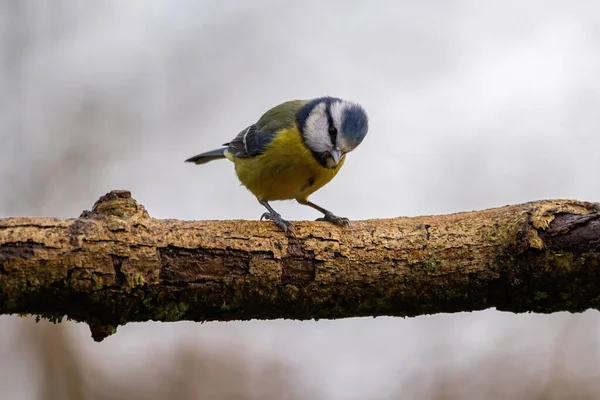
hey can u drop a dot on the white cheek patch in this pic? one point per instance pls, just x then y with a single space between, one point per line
344 145
316 130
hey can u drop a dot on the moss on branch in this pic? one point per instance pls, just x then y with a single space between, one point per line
115 264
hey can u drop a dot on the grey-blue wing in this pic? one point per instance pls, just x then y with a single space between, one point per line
250 142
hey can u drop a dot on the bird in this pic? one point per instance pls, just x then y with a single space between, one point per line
293 150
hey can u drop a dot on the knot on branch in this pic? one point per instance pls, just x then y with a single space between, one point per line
117 203
561 224
101 332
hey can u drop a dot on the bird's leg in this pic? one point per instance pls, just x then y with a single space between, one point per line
328 215
274 216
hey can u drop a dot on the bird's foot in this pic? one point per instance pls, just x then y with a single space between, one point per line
334 219
287 226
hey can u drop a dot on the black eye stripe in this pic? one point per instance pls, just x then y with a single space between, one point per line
332 129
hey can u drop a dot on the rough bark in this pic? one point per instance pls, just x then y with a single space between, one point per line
116 265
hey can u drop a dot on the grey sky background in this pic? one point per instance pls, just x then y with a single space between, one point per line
472 104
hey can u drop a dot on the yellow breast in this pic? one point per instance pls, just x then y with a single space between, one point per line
286 170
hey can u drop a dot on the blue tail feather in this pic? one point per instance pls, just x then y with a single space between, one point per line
208 156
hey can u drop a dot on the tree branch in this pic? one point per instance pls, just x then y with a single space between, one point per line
115 265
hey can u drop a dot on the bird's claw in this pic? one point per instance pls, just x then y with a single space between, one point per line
287 226
334 219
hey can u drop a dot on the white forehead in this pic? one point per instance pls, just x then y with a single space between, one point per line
337 110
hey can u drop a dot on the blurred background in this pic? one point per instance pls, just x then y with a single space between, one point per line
472 104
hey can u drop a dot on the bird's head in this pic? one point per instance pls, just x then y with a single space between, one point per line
332 127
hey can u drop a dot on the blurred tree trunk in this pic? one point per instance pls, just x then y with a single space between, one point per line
115 264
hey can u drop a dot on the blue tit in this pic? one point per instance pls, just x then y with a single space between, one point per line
293 150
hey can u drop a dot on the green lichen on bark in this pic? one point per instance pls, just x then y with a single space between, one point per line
114 265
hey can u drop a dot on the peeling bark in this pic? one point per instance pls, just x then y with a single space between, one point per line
115 265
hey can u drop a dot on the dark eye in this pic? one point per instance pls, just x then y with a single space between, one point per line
332 130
